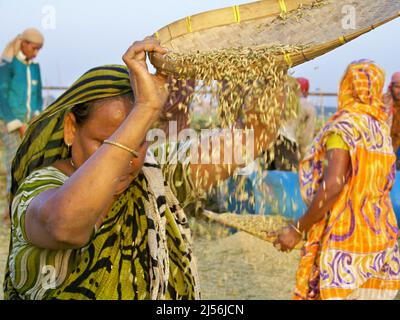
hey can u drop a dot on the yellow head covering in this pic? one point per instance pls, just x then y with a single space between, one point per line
361 90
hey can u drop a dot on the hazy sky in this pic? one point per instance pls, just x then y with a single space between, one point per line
90 33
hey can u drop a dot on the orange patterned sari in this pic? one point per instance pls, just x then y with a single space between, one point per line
353 252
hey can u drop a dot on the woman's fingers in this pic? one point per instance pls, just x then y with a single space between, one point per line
146 46
139 49
135 56
149 89
277 245
272 234
283 244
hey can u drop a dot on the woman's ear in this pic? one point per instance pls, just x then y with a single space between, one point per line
69 128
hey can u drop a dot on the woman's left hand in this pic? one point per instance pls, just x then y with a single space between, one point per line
149 89
287 239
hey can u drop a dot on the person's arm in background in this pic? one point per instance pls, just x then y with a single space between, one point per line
5 110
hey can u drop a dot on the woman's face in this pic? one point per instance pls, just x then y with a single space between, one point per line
103 120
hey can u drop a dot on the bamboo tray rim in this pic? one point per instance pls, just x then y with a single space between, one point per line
259 9
238 14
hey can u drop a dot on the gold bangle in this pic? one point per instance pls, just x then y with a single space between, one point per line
298 225
135 153
297 228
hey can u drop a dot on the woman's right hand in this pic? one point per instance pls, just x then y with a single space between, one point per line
287 239
150 90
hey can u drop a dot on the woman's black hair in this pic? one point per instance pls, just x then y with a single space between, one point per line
83 110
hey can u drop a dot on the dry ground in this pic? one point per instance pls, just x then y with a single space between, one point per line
231 266
236 266
240 266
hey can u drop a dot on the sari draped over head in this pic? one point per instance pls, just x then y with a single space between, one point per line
353 252
143 248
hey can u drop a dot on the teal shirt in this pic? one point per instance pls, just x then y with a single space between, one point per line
20 90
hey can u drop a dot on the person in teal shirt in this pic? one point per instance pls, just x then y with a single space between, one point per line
20 92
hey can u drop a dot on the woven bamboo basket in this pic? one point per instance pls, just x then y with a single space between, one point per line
322 27
263 227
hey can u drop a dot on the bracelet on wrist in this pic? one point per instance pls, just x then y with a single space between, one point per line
121 146
297 228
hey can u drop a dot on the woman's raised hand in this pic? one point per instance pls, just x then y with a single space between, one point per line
150 90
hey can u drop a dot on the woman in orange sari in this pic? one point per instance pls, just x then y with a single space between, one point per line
351 251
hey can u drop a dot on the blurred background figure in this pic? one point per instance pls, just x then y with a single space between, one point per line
306 119
297 133
392 102
286 156
20 92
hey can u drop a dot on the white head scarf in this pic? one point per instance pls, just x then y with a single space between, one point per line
32 35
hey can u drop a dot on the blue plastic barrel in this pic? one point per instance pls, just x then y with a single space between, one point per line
277 192
234 204
280 193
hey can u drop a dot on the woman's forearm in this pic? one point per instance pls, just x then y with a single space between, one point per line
335 179
65 216
320 206
80 202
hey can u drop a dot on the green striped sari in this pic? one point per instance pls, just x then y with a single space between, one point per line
143 248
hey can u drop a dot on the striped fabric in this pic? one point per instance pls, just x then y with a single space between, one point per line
142 250
43 143
26 261
353 252
11 141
